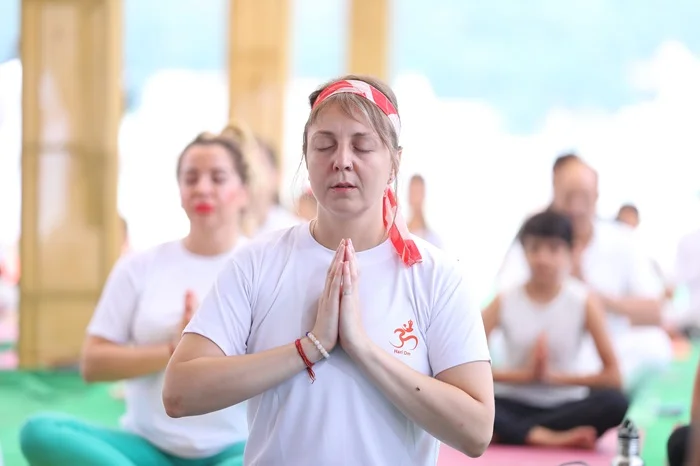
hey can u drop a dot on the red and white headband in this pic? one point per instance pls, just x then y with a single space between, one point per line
367 91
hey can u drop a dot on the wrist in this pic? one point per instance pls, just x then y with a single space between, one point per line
311 351
358 348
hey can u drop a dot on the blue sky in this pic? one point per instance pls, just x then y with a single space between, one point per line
522 57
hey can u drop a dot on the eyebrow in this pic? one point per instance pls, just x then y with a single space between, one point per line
331 133
215 170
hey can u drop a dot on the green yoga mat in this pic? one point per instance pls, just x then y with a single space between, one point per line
25 393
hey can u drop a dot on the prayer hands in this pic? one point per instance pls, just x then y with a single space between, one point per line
540 357
191 306
350 330
326 326
338 315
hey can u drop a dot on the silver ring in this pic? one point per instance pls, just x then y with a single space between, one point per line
347 292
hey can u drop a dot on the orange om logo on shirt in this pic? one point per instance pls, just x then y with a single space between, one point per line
404 332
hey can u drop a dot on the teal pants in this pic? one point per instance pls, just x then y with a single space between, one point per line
58 440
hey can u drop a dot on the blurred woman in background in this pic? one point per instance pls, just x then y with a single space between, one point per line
417 223
148 299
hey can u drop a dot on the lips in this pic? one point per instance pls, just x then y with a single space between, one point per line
343 185
203 208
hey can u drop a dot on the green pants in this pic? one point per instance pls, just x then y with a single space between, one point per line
58 440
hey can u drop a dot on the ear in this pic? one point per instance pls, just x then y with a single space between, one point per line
244 196
392 175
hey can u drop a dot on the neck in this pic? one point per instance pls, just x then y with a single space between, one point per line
583 233
211 242
365 232
541 291
417 221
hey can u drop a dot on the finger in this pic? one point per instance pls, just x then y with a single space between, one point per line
189 300
354 267
347 279
334 264
334 289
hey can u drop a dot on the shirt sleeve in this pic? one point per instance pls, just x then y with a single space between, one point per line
225 315
644 282
114 313
514 270
456 332
687 258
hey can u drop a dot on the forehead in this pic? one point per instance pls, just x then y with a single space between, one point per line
207 155
339 118
552 241
576 176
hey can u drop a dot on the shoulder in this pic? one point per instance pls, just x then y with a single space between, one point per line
690 241
137 263
615 234
254 254
576 289
439 271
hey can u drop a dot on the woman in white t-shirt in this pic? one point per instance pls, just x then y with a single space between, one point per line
147 300
353 340
417 223
270 215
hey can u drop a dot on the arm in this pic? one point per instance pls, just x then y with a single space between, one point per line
201 379
514 269
210 369
106 353
103 360
609 376
641 311
457 406
643 302
492 318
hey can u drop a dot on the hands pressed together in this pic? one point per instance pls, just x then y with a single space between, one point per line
538 369
190 307
338 318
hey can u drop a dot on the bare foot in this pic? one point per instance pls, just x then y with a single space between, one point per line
584 437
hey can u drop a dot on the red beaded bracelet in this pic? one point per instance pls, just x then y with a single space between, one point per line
307 363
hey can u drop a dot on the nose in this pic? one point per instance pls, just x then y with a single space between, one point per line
203 185
342 160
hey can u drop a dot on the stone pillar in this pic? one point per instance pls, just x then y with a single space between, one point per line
368 42
71 108
258 66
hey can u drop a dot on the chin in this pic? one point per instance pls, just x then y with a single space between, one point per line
345 209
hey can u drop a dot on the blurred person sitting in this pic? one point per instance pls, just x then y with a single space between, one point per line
686 323
607 259
417 223
683 446
148 299
266 207
540 398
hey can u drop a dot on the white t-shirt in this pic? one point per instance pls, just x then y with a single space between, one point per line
430 236
523 320
687 274
612 264
143 304
267 298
